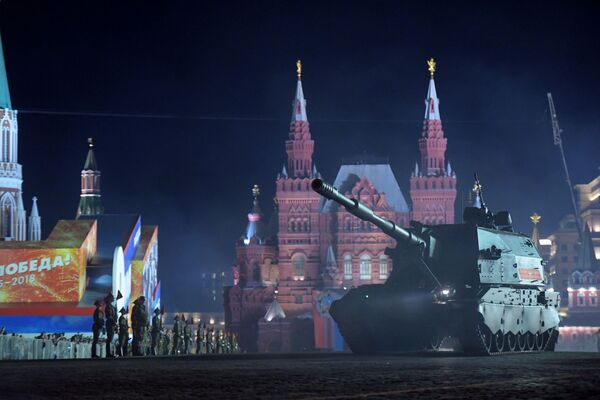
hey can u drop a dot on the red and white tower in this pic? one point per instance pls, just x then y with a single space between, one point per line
299 237
433 183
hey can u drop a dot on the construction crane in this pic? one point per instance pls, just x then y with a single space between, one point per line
558 142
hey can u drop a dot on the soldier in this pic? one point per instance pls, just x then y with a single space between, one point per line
139 322
156 328
199 337
187 335
167 342
111 323
176 335
97 327
210 340
123 333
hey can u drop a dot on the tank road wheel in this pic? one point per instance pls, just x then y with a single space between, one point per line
540 341
522 341
511 341
436 341
499 340
530 338
486 336
552 337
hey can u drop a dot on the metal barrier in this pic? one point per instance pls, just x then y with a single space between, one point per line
19 348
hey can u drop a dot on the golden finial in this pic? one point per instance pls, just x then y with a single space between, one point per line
299 68
431 66
90 142
476 187
535 218
255 191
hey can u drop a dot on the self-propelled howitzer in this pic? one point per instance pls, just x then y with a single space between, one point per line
478 282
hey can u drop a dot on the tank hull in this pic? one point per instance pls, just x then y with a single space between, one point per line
379 319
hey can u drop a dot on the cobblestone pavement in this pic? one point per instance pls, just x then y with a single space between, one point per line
308 376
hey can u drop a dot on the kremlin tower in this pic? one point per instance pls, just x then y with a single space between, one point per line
299 234
13 217
90 202
433 183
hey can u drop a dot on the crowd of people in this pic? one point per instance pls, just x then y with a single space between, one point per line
151 338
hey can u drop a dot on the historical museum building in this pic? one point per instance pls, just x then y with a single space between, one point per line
289 269
13 217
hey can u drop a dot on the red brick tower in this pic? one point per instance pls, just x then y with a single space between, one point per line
299 238
433 183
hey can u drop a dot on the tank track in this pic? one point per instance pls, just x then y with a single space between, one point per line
482 341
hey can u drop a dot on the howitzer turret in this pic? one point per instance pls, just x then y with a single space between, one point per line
477 282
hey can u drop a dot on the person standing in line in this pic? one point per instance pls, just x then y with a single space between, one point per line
187 336
176 335
111 323
123 333
156 328
97 326
199 337
139 322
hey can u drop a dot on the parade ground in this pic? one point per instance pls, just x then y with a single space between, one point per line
307 376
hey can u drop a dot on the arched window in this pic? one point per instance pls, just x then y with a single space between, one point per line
298 264
306 227
365 267
593 298
433 185
383 267
348 224
7 206
6 142
347 267
256 272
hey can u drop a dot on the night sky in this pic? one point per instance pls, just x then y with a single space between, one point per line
212 85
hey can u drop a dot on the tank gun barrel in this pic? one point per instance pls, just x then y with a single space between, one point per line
363 212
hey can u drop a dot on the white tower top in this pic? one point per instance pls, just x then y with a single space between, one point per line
432 103
299 104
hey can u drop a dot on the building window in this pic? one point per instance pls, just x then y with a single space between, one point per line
383 267
298 263
365 267
7 208
347 267
564 259
298 300
581 299
593 299
6 144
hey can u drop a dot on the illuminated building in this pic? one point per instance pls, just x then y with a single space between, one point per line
13 216
288 271
576 271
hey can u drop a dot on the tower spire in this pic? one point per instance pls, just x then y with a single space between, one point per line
299 104
255 225
4 93
90 202
299 146
432 103
35 222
